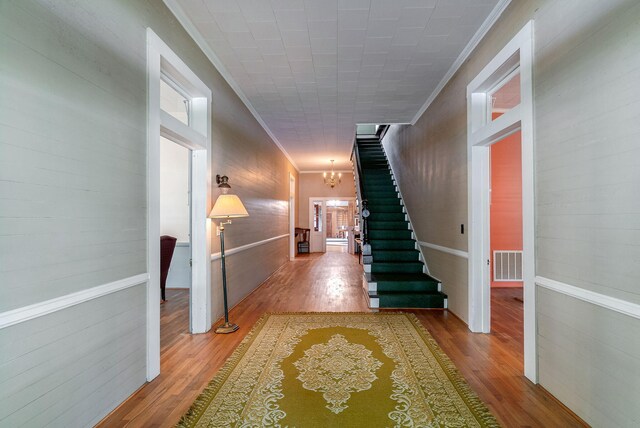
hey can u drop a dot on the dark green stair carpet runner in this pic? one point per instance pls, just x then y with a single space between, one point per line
396 266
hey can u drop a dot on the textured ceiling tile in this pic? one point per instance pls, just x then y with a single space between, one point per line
350 52
298 53
321 10
305 66
217 6
241 40
287 4
440 26
323 29
384 9
415 17
349 65
275 60
407 36
231 21
351 37
291 19
295 38
419 3
264 30
354 4
353 19
248 54
271 47
324 60
324 46
210 30
372 58
377 45
382 28
312 69
430 44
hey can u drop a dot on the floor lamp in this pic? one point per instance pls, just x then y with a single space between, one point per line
226 207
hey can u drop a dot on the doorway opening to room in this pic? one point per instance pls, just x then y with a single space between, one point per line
175 234
500 120
505 238
332 224
179 122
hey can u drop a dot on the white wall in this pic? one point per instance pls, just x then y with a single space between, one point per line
174 190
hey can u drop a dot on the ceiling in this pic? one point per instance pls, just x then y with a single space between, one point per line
313 69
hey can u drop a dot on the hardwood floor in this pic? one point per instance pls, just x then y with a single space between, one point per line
492 364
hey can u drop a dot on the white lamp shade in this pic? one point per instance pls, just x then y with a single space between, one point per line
228 206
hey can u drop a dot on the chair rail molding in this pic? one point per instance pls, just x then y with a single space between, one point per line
217 256
447 250
613 303
26 313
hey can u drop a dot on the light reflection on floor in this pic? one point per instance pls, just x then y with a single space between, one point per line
336 248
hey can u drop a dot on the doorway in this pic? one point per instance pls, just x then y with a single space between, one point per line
507 79
292 217
332 222
175 239
189 126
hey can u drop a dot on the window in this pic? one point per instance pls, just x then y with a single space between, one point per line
173 102
505 95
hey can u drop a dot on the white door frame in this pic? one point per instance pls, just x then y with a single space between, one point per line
324 200
292 216
481 133
162 61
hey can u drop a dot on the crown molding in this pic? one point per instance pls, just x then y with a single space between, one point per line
186 23
477 37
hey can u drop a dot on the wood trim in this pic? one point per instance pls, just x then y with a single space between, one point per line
26 313
447 250
217 256
480 134
477 37
612 303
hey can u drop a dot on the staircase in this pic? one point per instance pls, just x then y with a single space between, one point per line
395 272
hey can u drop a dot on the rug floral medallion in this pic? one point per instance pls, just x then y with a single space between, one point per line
338 370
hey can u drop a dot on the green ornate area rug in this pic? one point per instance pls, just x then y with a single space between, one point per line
338 370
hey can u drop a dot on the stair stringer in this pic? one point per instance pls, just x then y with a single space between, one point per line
413 231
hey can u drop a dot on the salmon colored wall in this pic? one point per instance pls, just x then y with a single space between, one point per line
506 199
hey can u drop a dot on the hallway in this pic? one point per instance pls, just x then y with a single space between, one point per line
491 364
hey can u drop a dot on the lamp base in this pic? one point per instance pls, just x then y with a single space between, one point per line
227 327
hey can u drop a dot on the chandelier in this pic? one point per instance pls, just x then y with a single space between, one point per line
332 179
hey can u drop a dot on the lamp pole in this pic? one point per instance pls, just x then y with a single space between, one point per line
227 327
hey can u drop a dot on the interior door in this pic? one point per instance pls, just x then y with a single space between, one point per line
317 208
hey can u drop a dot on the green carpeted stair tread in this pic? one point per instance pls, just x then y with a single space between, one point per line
426 299
392 277
375 234
396 266
395 208
396 255
385 224
393 244
378 216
